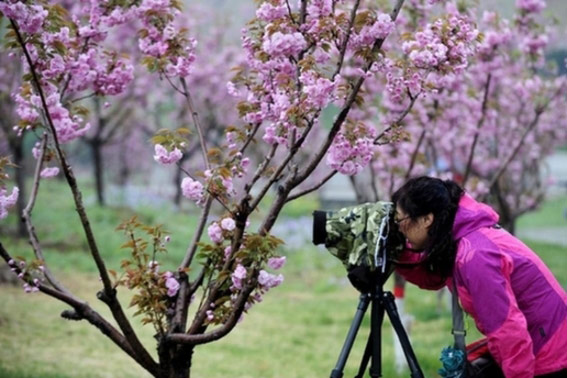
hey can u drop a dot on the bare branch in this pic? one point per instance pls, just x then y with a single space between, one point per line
538 112
477 134
197 235
295 196
220 331
400 118
196 121
26 215
261 169
347 38
415 152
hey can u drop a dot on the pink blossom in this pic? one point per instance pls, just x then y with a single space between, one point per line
49 172
279 44
228 224
320 8
268 280
210 315
245 163
172 284
215 233
238 275
30 18
227 252
267 12
30 288
7 201
153 266
319 91
276 262
532 6
192 189
164 157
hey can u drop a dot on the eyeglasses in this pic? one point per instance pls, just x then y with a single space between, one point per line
398 221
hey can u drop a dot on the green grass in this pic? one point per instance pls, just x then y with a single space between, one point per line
550 214
297 331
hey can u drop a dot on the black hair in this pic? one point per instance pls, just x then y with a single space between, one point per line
428 195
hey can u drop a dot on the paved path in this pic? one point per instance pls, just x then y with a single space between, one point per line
554 235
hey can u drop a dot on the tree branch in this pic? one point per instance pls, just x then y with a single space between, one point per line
197 123
221 331
538 112
26 216
477 134
344 45
190 253
295 196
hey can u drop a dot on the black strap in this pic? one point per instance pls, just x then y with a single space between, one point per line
458 323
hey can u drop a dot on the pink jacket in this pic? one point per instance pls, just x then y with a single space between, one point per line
512 296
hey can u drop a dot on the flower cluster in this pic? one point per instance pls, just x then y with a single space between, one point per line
217 232
7 200
192 189
444 45
352 149
376 27
171 284
165 157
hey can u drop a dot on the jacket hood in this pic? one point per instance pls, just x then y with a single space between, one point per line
472 215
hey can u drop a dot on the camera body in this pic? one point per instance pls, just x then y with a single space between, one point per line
360 236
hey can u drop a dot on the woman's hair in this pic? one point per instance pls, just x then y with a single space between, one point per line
424 195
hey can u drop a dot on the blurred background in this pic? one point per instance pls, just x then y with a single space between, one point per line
299 328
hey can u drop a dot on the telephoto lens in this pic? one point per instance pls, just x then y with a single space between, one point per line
319 224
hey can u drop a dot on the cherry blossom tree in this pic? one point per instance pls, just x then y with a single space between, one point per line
488 127
299 60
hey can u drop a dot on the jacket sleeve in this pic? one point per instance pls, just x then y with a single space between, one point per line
411 266
485 277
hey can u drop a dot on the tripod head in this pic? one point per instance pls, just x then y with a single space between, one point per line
367 281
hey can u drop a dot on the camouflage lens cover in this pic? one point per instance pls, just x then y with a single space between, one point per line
352 232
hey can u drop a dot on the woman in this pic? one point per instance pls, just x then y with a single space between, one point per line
512 296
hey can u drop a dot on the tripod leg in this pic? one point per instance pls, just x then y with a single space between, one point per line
376 327
365 357
390 306
347 346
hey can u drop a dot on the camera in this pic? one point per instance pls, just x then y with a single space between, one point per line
364 237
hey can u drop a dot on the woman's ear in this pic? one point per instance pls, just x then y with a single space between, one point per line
428 219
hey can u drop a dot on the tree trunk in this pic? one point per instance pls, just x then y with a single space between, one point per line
175 360
177 182
507 218
19 175
96 149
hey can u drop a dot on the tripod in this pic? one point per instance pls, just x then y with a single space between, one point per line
381 301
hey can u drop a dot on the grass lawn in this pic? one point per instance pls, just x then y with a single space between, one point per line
297 331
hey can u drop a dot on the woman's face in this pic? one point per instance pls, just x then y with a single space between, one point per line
414 229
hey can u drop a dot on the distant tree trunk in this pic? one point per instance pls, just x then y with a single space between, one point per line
124 172
16 147
177 181
507 217
96 151
19 175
